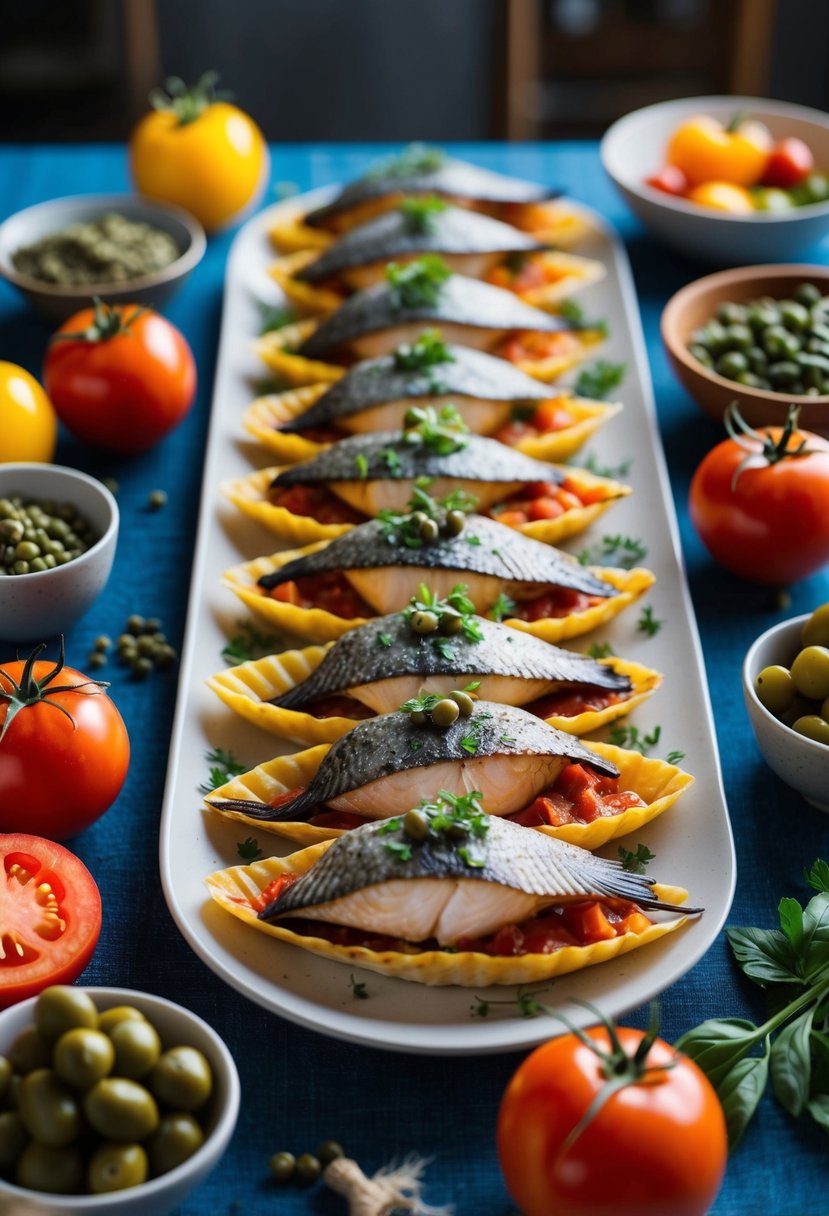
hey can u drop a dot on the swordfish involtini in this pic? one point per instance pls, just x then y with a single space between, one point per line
546 779
472 245
420 170
470 313
491 396
359 477
434 646
446 894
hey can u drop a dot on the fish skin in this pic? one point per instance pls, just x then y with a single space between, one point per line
460 300
502 553
479 459
381 747
469 373
359 657
452 177
513 857
453 230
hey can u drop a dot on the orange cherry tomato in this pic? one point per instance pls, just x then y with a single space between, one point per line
655 1146
723 196
707 151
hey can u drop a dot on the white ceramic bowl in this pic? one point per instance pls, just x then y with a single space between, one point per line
633 148
176 1025
58 301
802 763
37 606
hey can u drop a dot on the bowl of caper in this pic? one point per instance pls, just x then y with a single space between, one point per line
112 1103
786 691
58 533
758 335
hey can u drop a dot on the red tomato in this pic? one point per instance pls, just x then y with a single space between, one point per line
56 929
656 1147
123 379
669 180
64 749
769 524
790 162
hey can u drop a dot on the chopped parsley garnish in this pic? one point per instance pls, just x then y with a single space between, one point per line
573 312
428 351
503 606
419 213
675 757
506 738
526 1003
636 859
614 472
443 431
400 848
415 159
249 644
392 461
358 989
418 284
457 602
248 849
274 317
444 648
470 741
424 703
624 551
631 736
600 650
598 381
361 463
384 639
415 745
647 623
223 766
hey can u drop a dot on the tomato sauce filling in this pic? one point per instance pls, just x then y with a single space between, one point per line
524 272
578 795
530 345
314 502
547 418
566 702
581 923
539 500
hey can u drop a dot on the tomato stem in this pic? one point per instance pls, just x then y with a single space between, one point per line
771 452
30 691
188 104
108 321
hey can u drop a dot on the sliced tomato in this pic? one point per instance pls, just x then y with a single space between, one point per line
50 916
273 891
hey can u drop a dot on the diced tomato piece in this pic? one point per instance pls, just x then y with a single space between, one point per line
272 891
288 796
570 702
635 922
588 922
559 602
513 432
315 502
507 941
548 810
574 779
537 345
545 508
287 593
585 494
512 519
552 415
670 180
547 934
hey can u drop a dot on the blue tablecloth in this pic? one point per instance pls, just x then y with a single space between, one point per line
299 1087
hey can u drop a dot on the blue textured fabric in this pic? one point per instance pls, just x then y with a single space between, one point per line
299 1087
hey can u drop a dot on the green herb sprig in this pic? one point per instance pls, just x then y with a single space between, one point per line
573 312
249 643
457 602
248 849
635 860
614 472
414 160
443 431
223 766
647 623
624 551
599 380
420 213
418 284
428 351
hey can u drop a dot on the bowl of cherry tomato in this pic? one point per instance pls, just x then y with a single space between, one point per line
114 1103
727 180
786 691
754 334
116 247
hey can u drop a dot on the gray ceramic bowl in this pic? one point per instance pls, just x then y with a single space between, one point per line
175 1025
802 763
37 606
58 302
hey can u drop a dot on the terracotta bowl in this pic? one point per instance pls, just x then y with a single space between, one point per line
696 304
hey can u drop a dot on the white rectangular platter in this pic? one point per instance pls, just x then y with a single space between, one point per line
692 841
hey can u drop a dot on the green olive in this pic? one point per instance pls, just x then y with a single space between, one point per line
120 1109
762 314
418 518
118 1013
329 1151
445 712
182 1078
815 631
739 337
6 1071
806 294
13 1139
48 1109
793 315
116 1167
177 1137
59 1171
424 622
415 824
810 672
419 717
701 354
729 313
308 1167
282 1166
60 1008
779 343
783 374
137 1048
757 359
775 688
29 1050
813 727
83 1056
464 702
731 364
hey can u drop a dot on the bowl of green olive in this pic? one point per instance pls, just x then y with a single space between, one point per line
58 533
786 690
758 335
112 1103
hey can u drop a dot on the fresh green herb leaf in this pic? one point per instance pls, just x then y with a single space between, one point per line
389 826
480 1008
598 381
470 744
418 284
614 472
420 213
624 551
223 766
506 738
415 745
600 650
471 540
442 431
525 1003
790 1063
444 648
635 860
384 639
413 161
392 461
740 1093
675 757
647 623
248 849
472 686
475 863
428 351
764 955
573 312
361 462
249 644
401 849
358 989
818 876
274 316
631 737
504 606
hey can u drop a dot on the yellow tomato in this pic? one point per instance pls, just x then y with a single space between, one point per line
28 423
204 154
722 196
707 151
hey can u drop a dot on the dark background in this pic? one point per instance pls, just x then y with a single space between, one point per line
401 69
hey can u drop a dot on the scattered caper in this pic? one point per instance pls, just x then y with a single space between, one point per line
282 1166
308 1167
424 622
135 624
419 717
37 536
455 522
429 530
329 1151
416 826
102 642
96 659
157 500
445 712
463 701
451 622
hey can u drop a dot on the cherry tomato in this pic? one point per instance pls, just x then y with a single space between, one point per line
723 196
51 908
120 377
790 162
655 1147
28 423
64 749
205 155
669 180
770 521
707 151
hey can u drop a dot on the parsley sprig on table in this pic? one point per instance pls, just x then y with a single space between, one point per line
428 351
599 380
624 551
223 766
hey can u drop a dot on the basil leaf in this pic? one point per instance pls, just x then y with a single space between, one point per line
740 1092
815 945
820 1063
791 1064
718 1044
765 955
791 921
818 1108
818 876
